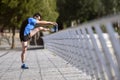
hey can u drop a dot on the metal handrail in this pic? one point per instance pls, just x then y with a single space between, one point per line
90 50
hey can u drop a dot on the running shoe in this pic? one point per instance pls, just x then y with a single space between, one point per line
24 67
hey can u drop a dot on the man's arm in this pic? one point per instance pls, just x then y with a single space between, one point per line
46 23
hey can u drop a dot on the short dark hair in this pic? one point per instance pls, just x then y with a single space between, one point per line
37 15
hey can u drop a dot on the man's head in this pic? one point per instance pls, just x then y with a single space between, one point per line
37 16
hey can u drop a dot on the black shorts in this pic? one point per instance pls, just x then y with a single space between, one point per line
25 38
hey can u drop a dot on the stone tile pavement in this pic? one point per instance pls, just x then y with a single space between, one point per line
43 65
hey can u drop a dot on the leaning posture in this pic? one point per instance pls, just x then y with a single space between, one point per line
28 30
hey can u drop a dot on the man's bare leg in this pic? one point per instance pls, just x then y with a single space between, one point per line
34 31
24 49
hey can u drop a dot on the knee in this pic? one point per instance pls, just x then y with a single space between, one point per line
41 28
24 49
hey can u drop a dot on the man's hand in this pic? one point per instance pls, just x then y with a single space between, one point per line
55 24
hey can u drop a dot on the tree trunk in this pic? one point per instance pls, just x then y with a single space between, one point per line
13 38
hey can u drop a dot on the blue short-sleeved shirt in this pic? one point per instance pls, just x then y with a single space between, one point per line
31 24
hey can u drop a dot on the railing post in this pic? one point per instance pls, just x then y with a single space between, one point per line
89 50
102 63
111 65
82 49
93 63
115 42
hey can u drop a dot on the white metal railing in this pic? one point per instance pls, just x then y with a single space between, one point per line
91 50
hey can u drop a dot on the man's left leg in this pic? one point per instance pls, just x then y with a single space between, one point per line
24 49
34 31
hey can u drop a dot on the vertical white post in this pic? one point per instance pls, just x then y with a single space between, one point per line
94 64
115 42
99 55
107 53
88 55
82 51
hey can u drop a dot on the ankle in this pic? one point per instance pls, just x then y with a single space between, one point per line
23 63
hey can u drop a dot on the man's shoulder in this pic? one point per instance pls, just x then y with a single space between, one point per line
31 18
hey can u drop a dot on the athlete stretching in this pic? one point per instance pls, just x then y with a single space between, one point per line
28 30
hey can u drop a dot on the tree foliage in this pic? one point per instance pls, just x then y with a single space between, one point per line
84 10
18 10
13 12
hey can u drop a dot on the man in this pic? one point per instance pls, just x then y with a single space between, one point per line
28 30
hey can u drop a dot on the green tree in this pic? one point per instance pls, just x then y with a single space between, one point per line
111 6
49 10
84 10
13 12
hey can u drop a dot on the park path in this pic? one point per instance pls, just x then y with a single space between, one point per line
43 65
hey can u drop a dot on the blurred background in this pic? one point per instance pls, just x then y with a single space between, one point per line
67 13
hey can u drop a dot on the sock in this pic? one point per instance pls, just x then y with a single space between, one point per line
23 63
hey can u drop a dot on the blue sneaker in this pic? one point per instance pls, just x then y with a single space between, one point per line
24 67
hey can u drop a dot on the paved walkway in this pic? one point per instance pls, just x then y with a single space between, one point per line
43 65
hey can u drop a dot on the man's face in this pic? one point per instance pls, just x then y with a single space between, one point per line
38 18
